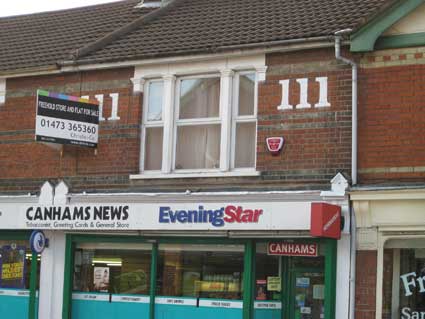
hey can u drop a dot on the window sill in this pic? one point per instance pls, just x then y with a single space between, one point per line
195 175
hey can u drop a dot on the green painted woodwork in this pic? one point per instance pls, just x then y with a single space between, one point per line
152 288
401 41
248 280
67 284
364 39
33 287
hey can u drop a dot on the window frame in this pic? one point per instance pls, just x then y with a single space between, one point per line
226 165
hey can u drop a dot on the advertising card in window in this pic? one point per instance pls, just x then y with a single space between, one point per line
101 279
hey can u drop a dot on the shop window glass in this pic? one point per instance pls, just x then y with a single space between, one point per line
200 271
267 270
403 286
15 264
112 268
412 276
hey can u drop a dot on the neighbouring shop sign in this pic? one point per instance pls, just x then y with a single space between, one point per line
65 119
413 283
158 216
292 249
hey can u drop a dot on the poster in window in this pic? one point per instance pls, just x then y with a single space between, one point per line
261 289
101 279
12 266
273 283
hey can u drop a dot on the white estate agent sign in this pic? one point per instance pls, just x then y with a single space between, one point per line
180 216
65 119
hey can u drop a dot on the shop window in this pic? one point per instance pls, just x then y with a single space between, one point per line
267 269
112 268
403 291
200 271
207 124
15 264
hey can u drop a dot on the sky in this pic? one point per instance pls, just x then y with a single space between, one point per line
16 7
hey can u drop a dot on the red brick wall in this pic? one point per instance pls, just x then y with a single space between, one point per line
387 288
392 123
118 150
318 140
366 284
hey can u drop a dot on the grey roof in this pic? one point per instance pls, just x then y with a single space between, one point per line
118 32
41 40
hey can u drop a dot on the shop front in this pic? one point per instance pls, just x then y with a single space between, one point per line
175 256
391 230
200 278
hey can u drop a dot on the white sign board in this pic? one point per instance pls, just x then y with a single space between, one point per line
149 216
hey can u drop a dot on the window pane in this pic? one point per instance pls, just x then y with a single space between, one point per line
199 98
266 267
202 271
198 147
155 101
246 94
245 145
116 270
153 148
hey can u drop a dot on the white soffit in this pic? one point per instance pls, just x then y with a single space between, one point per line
412 23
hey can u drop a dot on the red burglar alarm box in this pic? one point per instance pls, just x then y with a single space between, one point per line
325 220
274 144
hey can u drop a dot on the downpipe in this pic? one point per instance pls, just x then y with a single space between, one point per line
353 237
338 36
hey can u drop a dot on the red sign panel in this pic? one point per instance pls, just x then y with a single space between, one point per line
325 220
292 249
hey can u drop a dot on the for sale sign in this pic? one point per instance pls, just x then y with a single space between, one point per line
65 119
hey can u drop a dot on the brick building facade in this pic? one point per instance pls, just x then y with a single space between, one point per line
188 197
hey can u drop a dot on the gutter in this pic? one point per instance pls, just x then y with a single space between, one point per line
353 231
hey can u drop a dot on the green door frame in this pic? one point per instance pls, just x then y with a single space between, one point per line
25 235
249 268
